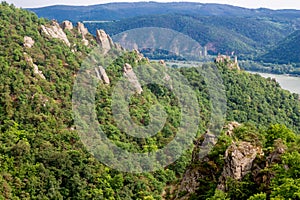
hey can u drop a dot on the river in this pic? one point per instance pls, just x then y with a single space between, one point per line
286 82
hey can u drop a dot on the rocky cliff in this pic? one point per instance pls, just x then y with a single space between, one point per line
239 159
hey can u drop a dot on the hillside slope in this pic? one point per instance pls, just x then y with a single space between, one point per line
221 34
41 154
223 28
286 51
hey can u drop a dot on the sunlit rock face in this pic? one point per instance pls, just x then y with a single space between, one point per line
67 25
55 31
131 76
239 159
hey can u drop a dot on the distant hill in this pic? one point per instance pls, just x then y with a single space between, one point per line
221 34
118 11
286 51
224 28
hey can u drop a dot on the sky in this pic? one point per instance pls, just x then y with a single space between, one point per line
272 4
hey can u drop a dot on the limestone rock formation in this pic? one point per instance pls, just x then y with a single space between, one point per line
201 150
102 75
259 168
104 40
67 25
131 76
55 31
28 42
118 47
139 55
81 29
36 70
230 127
200 160
239 159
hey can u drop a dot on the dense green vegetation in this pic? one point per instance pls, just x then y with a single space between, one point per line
247 37
273 175
286 51
42 157
262 35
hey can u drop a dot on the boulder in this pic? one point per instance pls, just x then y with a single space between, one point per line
162 62
131 76
55 31
28 42
67 25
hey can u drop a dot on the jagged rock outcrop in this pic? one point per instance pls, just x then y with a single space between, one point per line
261 174
239 159
203 148
102 75
105 41
230 127
139 55
199 169
131 76
190 183
55 31
28 42
81 29
67 25
36 70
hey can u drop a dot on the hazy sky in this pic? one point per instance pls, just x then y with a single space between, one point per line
273 4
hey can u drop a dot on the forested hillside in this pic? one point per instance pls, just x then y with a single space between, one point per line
247 37
42 156
286 51
252 34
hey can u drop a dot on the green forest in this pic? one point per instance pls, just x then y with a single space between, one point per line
42 156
